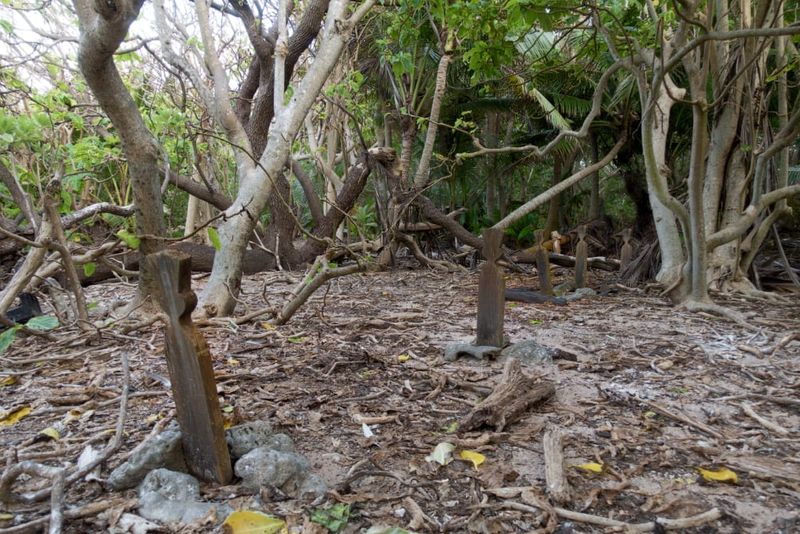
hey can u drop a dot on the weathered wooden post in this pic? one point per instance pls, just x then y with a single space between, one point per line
190 370
581 254
555 238
626 254
543 264
491 292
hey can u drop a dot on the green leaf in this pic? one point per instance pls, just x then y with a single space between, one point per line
213 235
334 518
129 239
7 26
43 322
89 268
7 338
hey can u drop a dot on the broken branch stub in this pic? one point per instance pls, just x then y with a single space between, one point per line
190 370
491 292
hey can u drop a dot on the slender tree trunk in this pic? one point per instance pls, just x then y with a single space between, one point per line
655 127
595 202
218 297
103 26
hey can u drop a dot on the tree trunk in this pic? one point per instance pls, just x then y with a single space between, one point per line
103 26
218 297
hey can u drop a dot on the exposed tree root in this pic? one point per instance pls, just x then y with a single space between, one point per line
716 309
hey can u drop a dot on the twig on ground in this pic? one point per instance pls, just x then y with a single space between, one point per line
766 423
10 476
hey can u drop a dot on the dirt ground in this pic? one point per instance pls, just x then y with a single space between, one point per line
653 394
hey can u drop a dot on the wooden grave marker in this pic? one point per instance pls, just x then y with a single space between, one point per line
581 255
491 292
190 370
543 264
626 254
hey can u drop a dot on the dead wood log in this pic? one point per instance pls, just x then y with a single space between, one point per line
557 484
597 262
509 401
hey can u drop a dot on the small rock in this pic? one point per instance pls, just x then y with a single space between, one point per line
313 486
263 467
164 450
133 524
248 436
580 293
280 442
169 497
530 352
482 352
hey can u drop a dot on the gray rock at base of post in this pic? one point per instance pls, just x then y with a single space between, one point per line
454 351
313 486
263 467
164 450
253 435
171 497
581 292
532 352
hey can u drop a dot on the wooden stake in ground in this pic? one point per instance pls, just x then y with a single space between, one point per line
581 254
514 395
491 292
626 254
543 264
192 376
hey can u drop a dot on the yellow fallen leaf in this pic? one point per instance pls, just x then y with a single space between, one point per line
721 475
403 358
51 433
267 326
14 416
6 517
8 381
592 467
471 456
251 522
233 362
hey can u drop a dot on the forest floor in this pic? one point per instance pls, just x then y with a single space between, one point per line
654 394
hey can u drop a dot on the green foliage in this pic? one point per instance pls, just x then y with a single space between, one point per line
333 518
8 337
213 236
89 269
363 220
41 323
128 238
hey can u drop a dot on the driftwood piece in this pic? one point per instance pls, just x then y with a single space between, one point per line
509 401
190 371
491 292
557 484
